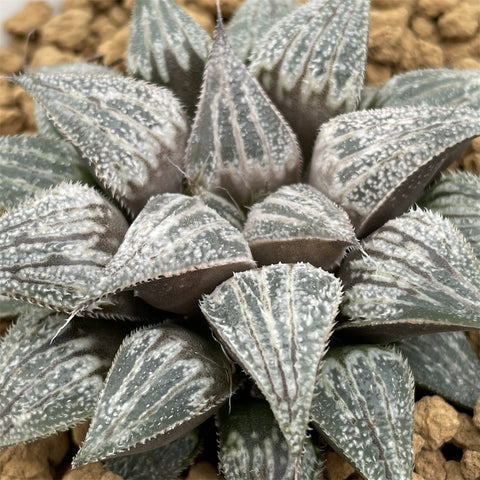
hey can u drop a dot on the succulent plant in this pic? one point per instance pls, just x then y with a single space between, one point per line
248 256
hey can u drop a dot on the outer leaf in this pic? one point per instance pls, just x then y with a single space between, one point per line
299 224
167 46
164 382
363 405
312 63
31 163
252 446
48 386
445 363
175 250
132 134
418 275
276 322
376 163
457 197
439 87
240 146
223 207
54 246
252 21
10 308
170 460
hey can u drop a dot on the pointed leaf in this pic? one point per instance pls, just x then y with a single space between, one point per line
439 87
457 197
376 163
10 308
164 382
49 386
252 446
417 274
31 163
252 21
276 322
54 246
312 63
175 250
167 46
444 363
132 134
363 405
299 224
170 460
223 207
240 146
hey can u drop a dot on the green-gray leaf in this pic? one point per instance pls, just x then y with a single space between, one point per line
49 386
439 87
175 250
457 197
276 322
363 405
252 446
444 363
376 163
167 46
223 207
54 247
165 381
132 134
312 63
30 163
252 21
240 146
11 307
299 224
417 274
170 460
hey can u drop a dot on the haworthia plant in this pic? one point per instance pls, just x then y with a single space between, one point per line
132 134
175 250
457 197
29 164
444 363
416 274
54 247
440 87
363 405
168 47
164 381
298 223
240 146
375 163
262 317
252 446
65 376
312 63
187 181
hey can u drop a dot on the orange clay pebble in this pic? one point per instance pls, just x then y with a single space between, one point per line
30 18
470 465
50 55
458 23
336 467
11 120
92 471
434 8
430 464
114 50
10 62
467 435
453 471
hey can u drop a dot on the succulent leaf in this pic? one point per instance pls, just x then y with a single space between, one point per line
132 134
363 406
312 63
252 446
444 363
417 274
376 163
175 250
11 307
441 87
276 322
240 146
170 460
167 46
49 386
31 163
457 197
164 382
252 21
298 224
224 208
54 246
